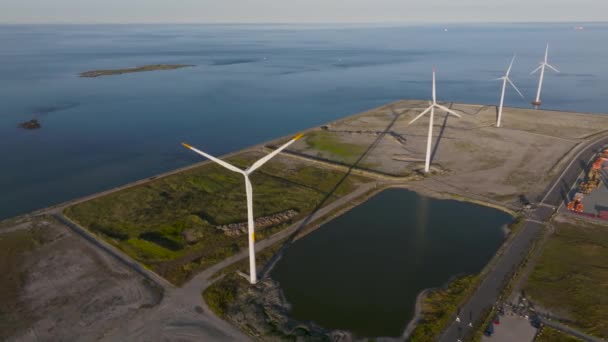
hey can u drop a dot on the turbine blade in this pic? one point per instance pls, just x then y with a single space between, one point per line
514 87
535 70
262 161
421 115
499 79
552 67
210 157
547 53
449 110
510 66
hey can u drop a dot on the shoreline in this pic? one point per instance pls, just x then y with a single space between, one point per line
260 147
264 146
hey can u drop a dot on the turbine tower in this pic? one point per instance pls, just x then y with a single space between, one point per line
431 109
249 191
504 80
541 67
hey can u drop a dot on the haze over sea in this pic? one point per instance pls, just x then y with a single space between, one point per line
251 83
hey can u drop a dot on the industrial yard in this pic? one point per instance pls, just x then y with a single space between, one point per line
589 196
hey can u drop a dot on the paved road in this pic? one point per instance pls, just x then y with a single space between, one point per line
489 290
487 293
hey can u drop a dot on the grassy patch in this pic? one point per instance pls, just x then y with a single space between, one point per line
439 306
465 146
571 277
329 143
150 222
548 334
221 294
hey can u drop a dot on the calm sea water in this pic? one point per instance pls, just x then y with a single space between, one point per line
363 271
250 84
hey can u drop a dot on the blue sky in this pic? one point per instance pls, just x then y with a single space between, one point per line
299 11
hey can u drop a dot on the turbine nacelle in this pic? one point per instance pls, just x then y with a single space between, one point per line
434 104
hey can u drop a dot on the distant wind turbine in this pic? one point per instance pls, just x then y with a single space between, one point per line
541 67
431 109
504 80
249 190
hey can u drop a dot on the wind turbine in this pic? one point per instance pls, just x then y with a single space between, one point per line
249 191
541 67
431 109
504 80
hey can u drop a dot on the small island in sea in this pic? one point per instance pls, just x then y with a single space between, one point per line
109 72
31 124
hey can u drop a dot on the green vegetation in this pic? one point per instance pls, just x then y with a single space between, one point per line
486 318
571 277
169 224
221 294
14 246
328 143
97 73
439 306
548 334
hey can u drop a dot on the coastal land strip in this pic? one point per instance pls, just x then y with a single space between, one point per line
177 225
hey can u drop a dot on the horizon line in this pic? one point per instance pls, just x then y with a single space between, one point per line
236 23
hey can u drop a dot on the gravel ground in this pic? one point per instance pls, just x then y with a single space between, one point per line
498 163
70 291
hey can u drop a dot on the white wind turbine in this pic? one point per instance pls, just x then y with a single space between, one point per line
431 108
249 190
541 67
504 80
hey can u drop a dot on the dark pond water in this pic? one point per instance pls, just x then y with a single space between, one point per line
363 271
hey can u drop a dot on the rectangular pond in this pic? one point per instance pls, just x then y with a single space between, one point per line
363 271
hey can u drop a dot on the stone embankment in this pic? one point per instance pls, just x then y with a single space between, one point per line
237 229
262 311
